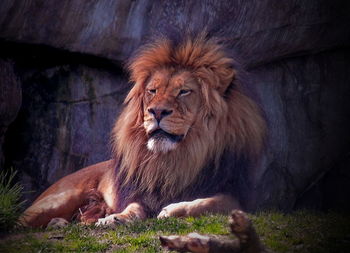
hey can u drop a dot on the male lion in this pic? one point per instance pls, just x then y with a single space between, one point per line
178 144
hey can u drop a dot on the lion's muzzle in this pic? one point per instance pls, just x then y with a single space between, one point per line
159 113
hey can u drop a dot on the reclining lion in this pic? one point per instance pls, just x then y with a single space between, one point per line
178 144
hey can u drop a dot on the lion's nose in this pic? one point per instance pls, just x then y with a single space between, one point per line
159 113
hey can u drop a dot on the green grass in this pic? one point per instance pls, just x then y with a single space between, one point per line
301 231
10 204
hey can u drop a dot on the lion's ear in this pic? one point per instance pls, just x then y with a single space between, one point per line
226 75
135 92
218 78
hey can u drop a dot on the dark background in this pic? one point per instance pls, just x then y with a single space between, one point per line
62 85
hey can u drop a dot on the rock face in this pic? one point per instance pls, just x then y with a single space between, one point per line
261 31
64 123
307 106
67 57
10 100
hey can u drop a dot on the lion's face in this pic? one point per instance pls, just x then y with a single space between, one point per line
171 103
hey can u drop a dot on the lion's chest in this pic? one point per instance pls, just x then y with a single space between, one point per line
225 179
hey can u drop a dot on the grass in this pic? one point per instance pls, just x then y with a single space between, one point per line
301 231
10 204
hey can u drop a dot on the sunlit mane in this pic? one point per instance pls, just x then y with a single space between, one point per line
228 120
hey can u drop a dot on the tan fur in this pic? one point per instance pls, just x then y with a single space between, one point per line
64 198
216 116
219 203
134 211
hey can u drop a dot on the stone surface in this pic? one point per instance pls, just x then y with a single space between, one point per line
10 100
64 124
261 30
306 101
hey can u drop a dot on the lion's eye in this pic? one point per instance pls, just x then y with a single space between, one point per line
184 92
152 91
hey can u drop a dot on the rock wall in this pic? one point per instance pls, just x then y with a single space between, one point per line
307 106
261 30
64 124
66 58
10 100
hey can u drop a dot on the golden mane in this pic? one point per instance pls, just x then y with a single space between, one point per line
229 120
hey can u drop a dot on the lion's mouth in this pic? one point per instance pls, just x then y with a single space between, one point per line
161 134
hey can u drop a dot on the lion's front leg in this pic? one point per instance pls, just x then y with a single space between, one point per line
133 211
220 203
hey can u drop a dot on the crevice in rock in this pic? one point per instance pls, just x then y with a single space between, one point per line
33 56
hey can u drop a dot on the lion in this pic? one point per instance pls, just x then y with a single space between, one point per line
184 139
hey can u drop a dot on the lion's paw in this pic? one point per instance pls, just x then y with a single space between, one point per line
192 242
57 223
112 220
175 210
239 221
240 225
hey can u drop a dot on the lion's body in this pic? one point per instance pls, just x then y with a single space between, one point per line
185 135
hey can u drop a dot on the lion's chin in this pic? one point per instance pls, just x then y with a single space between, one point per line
162 145
162 141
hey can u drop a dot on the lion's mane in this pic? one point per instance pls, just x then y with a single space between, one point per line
229 121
